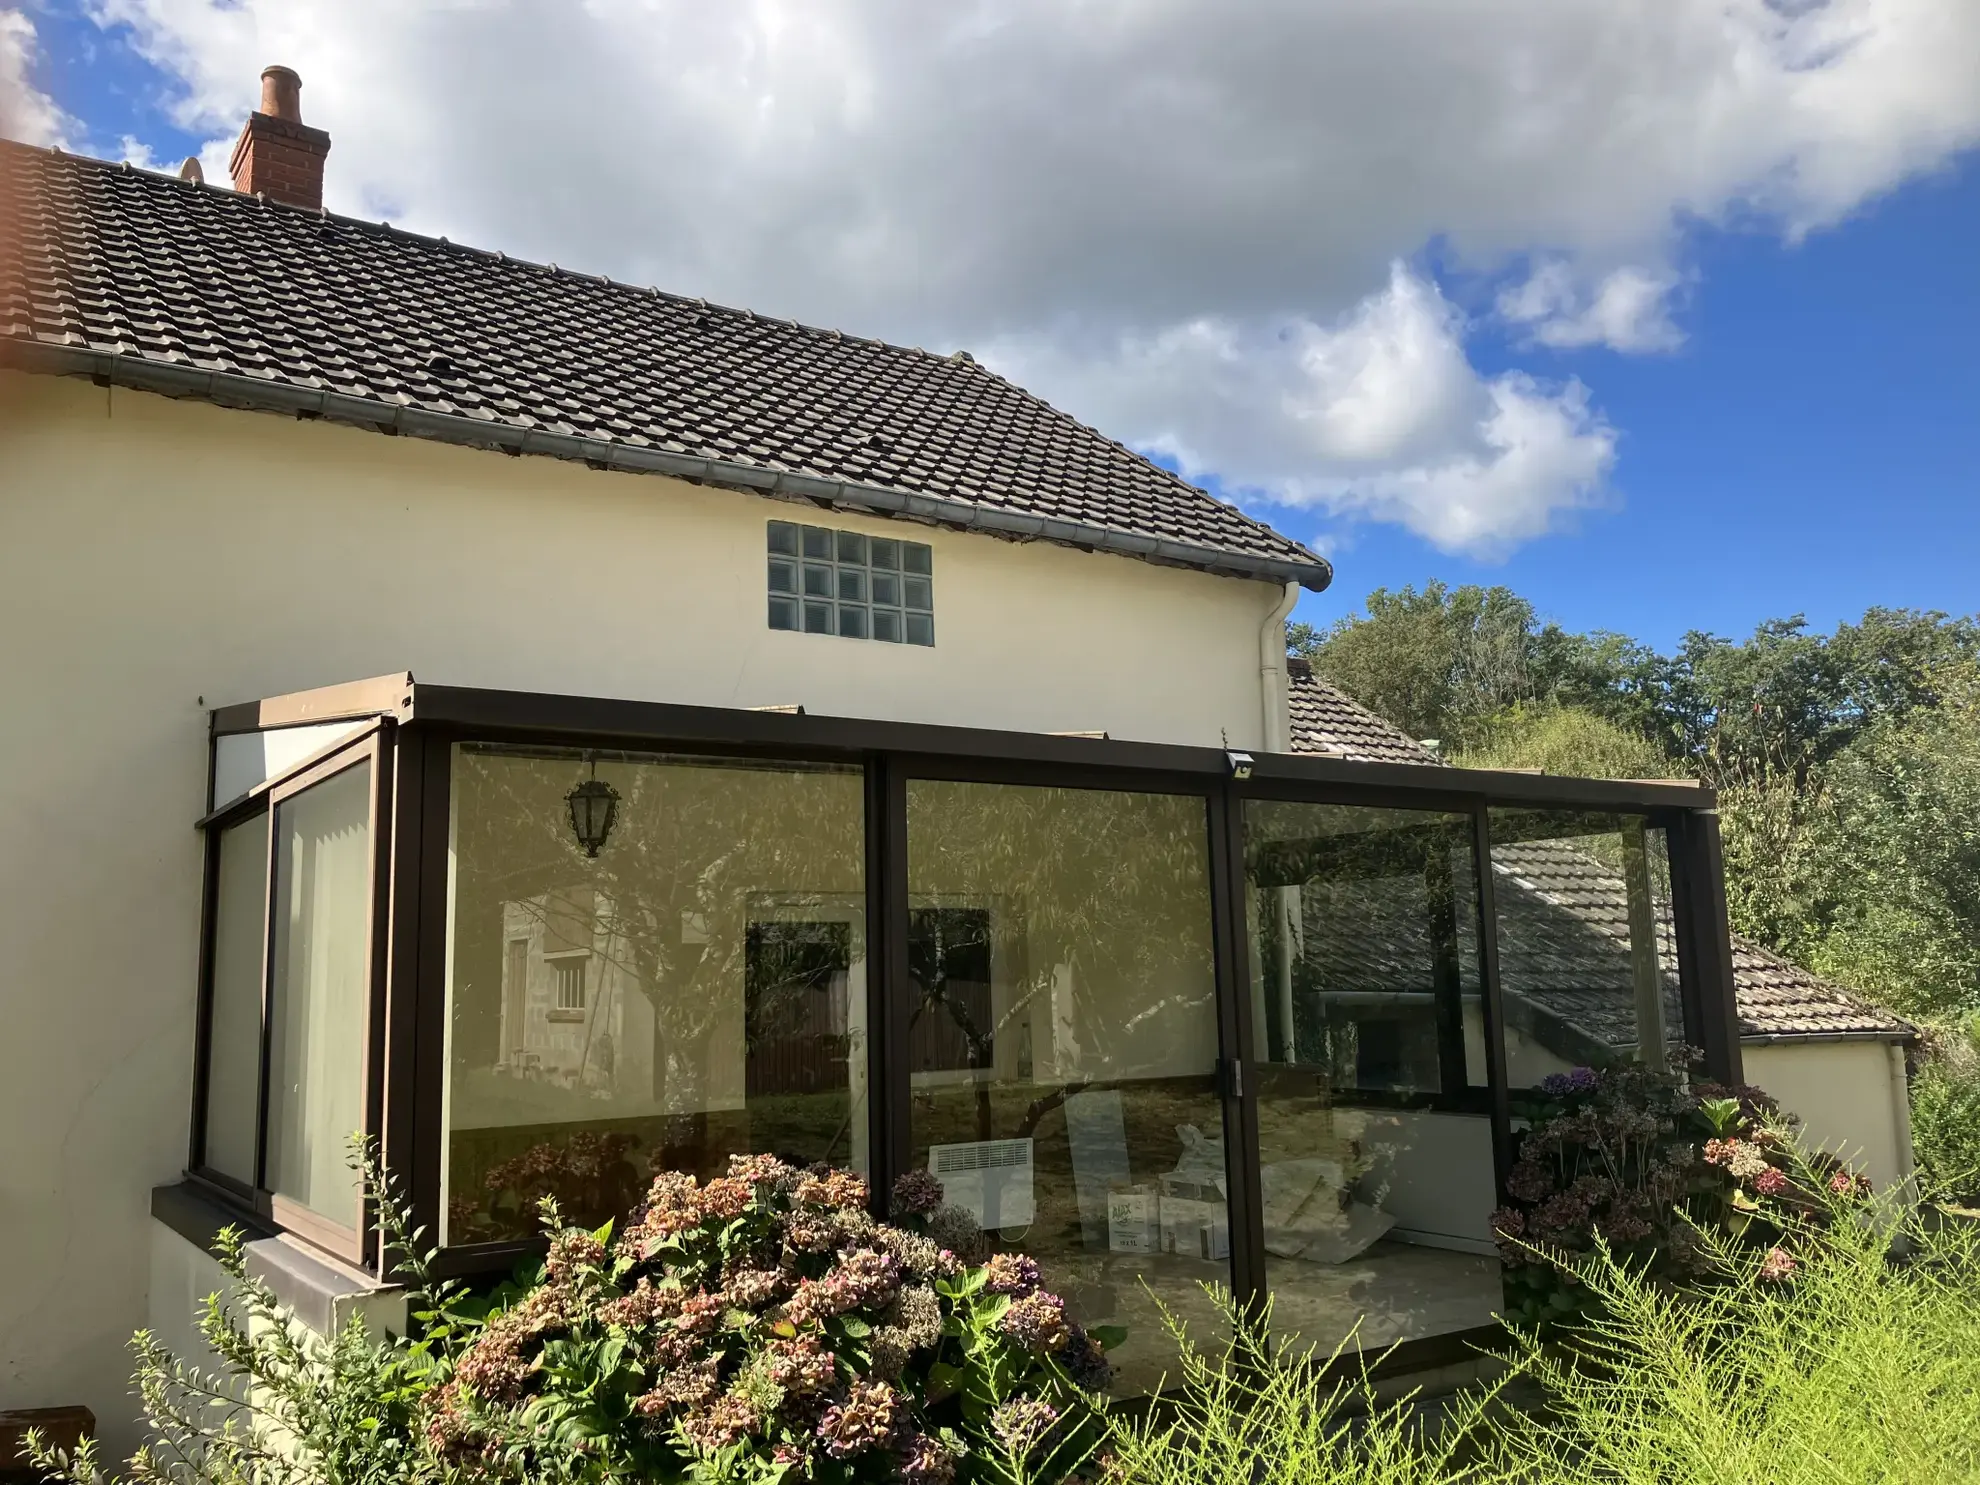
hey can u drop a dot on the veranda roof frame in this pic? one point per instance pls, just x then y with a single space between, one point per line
413 727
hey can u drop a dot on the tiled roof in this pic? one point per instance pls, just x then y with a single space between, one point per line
124 273
1327 723
1563 918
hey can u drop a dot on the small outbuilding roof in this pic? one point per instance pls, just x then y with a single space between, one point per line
1566 915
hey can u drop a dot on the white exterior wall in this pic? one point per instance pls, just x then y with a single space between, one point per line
1847 1098
158 558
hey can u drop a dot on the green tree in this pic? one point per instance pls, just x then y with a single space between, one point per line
1564 740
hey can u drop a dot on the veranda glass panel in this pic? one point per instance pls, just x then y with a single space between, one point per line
233 1067
317 1001
694 990
1587 962
1375 1139
1064 1041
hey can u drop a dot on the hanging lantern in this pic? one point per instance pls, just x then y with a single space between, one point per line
594 805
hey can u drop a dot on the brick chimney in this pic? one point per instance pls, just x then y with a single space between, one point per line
278 153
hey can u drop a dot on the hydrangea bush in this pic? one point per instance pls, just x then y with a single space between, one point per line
1641 1161
764 1327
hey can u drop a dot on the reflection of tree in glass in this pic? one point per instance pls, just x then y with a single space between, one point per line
1103 899
693 844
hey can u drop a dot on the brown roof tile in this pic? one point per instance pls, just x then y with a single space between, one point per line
135 271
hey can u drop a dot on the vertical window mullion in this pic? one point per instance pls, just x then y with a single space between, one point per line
1493 1003
889 1003
1236 1033
267 997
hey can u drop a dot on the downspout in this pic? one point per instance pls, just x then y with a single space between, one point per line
1278 739
1901 1116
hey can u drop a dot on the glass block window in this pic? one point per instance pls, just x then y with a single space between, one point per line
857 587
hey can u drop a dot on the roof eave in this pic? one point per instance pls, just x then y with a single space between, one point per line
233 389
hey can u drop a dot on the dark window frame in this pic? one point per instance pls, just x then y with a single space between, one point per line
368 746
414 732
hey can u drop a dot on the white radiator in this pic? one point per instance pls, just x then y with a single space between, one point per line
989 1179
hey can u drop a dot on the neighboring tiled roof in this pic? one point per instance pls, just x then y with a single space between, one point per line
1327 723
1563 915
124 273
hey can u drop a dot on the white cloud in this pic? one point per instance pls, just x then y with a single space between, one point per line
1627 309
26 113
1378 414
1125 195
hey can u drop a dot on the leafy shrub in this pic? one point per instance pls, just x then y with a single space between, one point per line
1945 1112
1245 1413
1818 1359
288 1407
765 1327
1637 1162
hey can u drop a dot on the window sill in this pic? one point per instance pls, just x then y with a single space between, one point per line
320 1291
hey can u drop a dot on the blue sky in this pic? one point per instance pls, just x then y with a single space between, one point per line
1813 448
1811 445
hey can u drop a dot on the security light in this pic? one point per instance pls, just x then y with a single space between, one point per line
1240 765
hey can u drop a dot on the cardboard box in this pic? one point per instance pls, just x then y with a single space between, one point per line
1134 1221
1196 1229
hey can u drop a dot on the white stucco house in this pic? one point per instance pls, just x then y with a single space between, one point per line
561 729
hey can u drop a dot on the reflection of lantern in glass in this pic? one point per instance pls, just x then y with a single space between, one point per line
594 805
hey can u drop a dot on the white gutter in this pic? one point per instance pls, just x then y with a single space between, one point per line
1277 720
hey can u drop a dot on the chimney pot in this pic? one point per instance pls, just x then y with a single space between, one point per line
278 154
281 94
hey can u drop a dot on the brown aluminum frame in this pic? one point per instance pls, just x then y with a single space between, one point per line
371 748
406 1030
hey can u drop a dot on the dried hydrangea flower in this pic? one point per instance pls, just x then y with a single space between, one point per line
1014 1274
868 1419
726 1422
1023 1423
1086 1363
753 1288
918 1314
643 1305
825 1187
572 1251
801 1365
916 1193
923 1461
1771 1182
1777 1266
1037 1323
955 1229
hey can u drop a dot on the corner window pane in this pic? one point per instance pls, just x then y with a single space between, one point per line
233 1066
783 538
1063 1047
695 990
783 613
1374 1128
916 558
320 992
920 629
1587 967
